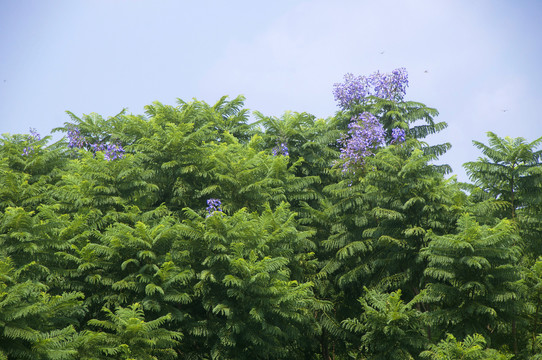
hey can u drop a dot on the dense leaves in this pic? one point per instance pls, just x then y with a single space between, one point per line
189 232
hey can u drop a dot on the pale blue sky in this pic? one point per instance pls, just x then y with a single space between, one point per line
481 57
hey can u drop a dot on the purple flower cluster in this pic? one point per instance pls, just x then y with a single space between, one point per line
111 151
397 135
281 149
365 134
390 86
213 205
33 137
76 139
353 89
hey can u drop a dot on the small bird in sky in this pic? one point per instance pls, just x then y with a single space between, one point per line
382 52
504 110
426 71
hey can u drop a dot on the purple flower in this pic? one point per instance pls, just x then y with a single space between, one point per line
364 136
281 149
97 147
353 89
76 139
111 151
284 149
397 135
27 150
213 205
390 86
33 137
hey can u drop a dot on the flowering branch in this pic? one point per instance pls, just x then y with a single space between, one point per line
364 136
32 138
359 89
111 151
365 132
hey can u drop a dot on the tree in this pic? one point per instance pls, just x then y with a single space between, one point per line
126 335
250 297
508 184
510 172
383 218
389 328
371 217
28 169
509 180
533 279
473 281
472 348
188 232
34 323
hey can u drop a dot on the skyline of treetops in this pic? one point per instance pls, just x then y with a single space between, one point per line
191 232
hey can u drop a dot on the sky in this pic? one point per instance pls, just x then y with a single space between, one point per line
476 61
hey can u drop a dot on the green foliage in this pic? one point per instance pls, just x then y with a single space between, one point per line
245 177
533 278
383 217
535 347
472 348
416 119
389 328
35 324
126 335
31 238
25 179
247 297
119 258
473 280
510 174
312 140
91 183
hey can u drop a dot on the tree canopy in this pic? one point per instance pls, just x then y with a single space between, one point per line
194 232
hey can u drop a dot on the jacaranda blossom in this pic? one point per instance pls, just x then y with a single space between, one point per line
397 135
33 137
111 151
76 140
281 149
358 89
213 205
364 136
